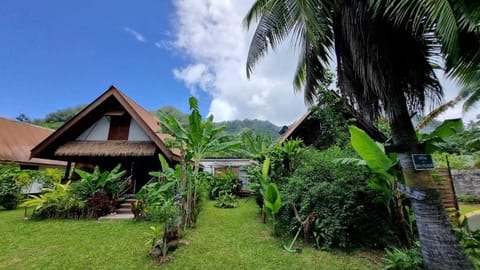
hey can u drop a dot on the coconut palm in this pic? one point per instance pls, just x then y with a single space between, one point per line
471 91
384 54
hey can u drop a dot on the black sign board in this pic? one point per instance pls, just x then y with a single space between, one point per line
422 162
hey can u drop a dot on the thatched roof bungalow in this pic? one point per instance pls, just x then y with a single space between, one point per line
112 129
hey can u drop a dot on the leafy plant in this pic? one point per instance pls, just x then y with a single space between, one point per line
226 200
225 182
434 139
404 259
195 142
14 180
57 202
470 241
373 155
109 182
346 213
154 234
99 205
9 192
272 201
467 198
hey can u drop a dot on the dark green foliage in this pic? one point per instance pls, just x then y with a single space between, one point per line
57 202
224 183
404 259
468 198
57 119
9 191
9 200
13 179
171 110
109 182
253 126
464 141
330 116
337 195
226 200
470 241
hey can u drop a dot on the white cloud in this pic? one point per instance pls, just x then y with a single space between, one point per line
138 36
451 90
195 75
211 33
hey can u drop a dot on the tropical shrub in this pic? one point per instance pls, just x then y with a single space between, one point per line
14 180
9 192
57 202
334 125
226 200
225 182
468 198
99 205
111 183
456 161
470 241
345 208
404 259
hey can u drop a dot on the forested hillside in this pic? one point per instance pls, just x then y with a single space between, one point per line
56 119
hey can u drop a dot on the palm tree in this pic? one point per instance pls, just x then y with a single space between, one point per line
384 52
471 91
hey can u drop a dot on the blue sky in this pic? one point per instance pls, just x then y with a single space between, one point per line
57 54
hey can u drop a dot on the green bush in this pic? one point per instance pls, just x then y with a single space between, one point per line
13 179
9 192
57 202
470 241
456 161
337 195
226 201
223 183
404 259
468 198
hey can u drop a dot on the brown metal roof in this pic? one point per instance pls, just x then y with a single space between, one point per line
18 138
92 112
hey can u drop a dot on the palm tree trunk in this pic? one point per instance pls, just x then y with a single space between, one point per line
439 246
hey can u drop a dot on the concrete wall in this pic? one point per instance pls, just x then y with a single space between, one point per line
467 182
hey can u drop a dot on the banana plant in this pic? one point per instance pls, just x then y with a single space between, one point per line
108 181
382 165
200 139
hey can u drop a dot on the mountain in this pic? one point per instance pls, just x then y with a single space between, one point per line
55 119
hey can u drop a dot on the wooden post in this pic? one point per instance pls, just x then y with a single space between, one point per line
67 172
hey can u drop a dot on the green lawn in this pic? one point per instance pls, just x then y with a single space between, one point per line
467 207
223 239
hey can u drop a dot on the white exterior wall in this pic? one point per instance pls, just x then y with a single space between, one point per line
136 133
97 132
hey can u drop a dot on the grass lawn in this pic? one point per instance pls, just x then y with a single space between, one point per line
467 207
223 239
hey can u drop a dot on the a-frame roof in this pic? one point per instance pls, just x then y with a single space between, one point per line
71 129
295 130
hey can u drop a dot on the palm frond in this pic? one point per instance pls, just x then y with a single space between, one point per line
438 111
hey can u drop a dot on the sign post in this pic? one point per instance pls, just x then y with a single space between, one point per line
422 162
